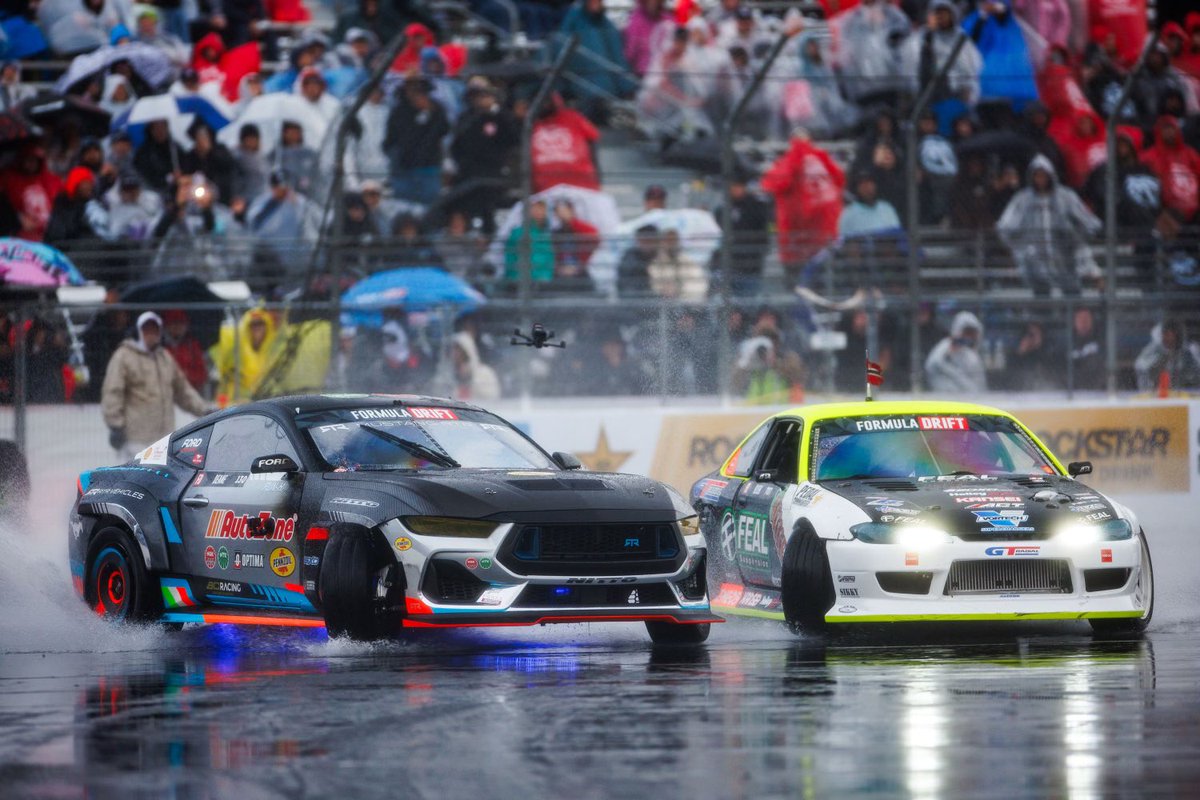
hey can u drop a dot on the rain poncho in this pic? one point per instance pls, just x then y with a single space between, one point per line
681 77
954 366
284 227
475 379
1124 19
598 36
1080 139
1046 231
1181 363
807 186
1007 66
918 66
643 34
367 148
1051 19
868 40
73 27
813 98
114 83
860 219
240 365
1178 169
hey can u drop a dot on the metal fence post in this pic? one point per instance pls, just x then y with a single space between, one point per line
20 380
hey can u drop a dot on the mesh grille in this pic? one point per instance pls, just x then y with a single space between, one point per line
1106 579
1009 575
450 582
693 586
905 582
596 549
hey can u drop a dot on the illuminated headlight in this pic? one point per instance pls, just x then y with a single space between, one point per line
689 526
450 526
1088 533
914 536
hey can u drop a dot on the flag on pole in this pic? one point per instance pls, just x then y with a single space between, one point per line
874 373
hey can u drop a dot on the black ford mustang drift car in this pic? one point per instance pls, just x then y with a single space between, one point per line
368 514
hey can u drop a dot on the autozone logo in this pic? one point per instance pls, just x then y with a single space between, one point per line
224 524
1024 550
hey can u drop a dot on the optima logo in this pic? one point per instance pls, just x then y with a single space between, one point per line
224 524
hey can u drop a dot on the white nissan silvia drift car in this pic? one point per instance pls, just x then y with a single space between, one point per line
916 511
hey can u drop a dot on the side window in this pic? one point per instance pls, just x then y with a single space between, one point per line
781 454
192 449
238 440
742 460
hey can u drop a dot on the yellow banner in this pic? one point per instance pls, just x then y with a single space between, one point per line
692 445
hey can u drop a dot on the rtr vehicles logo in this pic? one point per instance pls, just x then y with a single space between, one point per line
224 524
1002 521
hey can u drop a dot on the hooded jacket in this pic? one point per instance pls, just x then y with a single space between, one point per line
1082 151
142 387
1178 170
807 186
480 381
209 69
1181 364
1124 19
869 40
1007 66
240 365
1047 221
1139 192
954 367
963 78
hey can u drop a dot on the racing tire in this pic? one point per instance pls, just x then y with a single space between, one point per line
116 584
673 633
350 568
807 583
1132 626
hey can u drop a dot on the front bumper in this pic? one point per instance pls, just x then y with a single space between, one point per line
861 570
489 593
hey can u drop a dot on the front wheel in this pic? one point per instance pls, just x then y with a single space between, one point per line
807 584
353 568
1133 626
674 633
116 584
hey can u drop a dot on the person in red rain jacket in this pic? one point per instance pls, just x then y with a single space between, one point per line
1058 85
562 148
1177 167
807 186
419 37
185 348
1125 21
30 189
1188 61
1080 138
206 58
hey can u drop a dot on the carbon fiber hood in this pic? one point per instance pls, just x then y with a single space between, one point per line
979 508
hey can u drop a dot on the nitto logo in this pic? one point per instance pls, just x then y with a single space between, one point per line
1027 550
633 542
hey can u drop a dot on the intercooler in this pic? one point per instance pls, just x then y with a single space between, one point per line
993 576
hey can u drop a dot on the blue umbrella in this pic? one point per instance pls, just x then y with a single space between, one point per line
411 288
35 265
179 112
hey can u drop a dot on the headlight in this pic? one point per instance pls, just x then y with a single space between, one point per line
689 526
450 526
1089 533
914 536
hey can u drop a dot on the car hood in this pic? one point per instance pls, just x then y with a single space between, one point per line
979 508
516 496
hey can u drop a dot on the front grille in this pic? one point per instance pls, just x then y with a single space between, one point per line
694 586
449 582
996 576
593 549
1106 579
1008 536
628 595
905 582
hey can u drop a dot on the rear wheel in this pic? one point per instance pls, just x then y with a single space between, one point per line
116 583
1133 626
359 580
674 633
807 584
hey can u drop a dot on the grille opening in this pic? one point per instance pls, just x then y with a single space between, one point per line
1107 579
905 582
693 586
623 595
998 576
450 582
893 485
593 549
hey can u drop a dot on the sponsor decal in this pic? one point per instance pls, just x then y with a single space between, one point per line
955 479
634 599
240 480
729 595
210 557
491 597
603 458
912 424
191 443
911 559
76 527
847 609
1014 550
229 587
602 580
354 501
942 423
886 502
219 480
1088 507
176 593
1003 521
248 560
485 563
848 592
1106 555
199 479
472 563
225 524
995 506
310 586
401 413
155 453
403 543
223 558
283 563
432 413
312 561
846 579
711 490
807 495
114 490
1098 516
1009 596
198 459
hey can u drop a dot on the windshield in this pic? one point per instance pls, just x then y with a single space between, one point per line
920 446
395 438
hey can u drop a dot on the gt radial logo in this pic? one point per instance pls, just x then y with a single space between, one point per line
224 524
1027 550
1002 520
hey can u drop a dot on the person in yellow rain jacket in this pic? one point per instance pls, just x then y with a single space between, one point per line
243 360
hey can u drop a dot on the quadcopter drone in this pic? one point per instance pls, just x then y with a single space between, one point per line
538 337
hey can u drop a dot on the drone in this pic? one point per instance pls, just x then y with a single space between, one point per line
538 337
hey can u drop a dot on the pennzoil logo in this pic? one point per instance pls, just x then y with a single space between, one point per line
224 524
283 563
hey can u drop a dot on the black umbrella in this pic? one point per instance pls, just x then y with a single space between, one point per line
479 197
14 129
1009 147
178 293
50 109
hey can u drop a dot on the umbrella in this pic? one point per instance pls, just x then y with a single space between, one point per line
179 112
151 64
410 288
178 292
1008 146
15 128
269 112
48 108
698 231
478 197
597 208
36 265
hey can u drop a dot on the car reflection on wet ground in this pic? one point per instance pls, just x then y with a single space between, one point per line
599 712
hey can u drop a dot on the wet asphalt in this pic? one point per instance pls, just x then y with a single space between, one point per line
596 711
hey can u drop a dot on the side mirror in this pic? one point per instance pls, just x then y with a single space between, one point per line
767 476
567 461
1077 468
276 463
